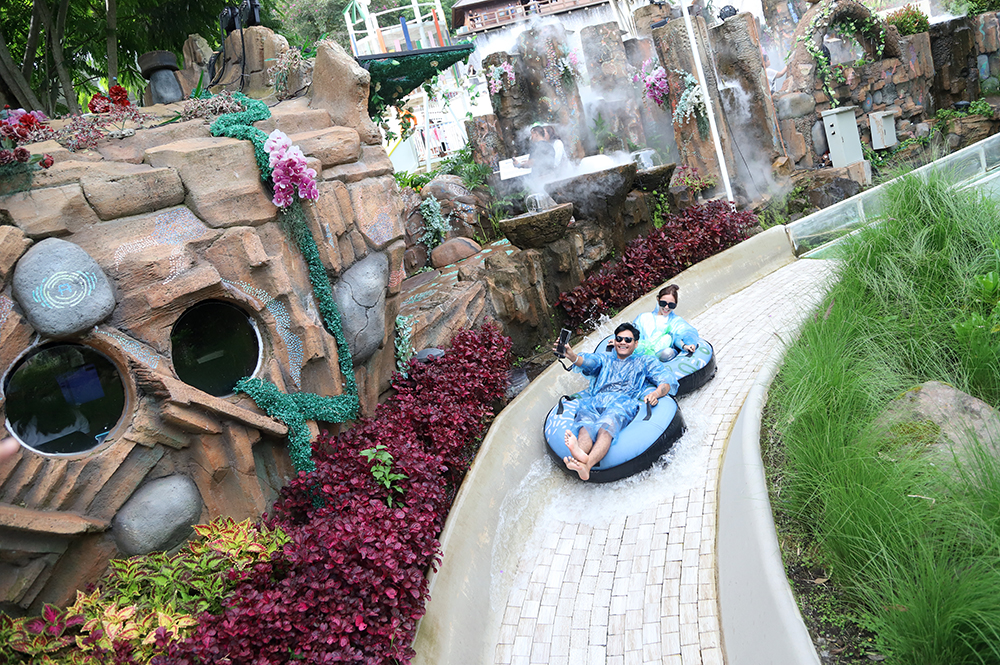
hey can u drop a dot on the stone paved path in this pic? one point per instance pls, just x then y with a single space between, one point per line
638 584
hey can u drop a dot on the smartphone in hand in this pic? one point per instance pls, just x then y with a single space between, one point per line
564 336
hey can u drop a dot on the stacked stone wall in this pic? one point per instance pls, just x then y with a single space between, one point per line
957 60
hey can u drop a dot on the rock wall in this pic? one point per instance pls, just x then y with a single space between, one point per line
966 52
694 143
111 246
746 95
918 75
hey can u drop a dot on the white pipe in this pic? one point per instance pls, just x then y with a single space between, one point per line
420 25
708 102
427 130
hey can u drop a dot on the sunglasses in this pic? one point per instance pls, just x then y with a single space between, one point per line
626 340
668 305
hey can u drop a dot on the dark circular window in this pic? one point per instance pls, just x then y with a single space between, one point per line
214 344
64 398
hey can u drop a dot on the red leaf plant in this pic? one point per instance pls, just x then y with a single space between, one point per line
683 240
351 585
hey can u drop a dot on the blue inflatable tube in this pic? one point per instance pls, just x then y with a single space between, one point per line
650 434
653 431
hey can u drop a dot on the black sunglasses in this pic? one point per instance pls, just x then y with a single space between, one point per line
626 340
668 305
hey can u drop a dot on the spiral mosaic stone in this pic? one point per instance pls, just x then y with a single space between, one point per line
61 289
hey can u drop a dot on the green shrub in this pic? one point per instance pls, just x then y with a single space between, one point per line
915 547
909 20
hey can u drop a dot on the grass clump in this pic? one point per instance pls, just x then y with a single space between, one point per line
915 547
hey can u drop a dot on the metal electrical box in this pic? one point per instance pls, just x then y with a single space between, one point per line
842 136
883 124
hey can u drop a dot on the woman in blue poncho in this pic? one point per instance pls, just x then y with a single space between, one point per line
664 334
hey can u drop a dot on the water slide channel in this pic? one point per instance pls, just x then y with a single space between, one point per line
678 564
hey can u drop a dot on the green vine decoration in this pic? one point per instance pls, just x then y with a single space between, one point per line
871 28
240 126
404 343
828 73
295 409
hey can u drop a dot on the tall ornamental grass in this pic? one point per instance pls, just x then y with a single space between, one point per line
917 546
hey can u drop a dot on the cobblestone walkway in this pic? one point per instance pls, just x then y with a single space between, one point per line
639 585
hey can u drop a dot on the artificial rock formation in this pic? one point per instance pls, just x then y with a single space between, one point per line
170 218
694 145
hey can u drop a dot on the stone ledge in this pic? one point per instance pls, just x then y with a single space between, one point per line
332 146
47 521
179 393
134 193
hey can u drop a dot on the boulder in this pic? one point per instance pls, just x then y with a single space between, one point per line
329 219
413 221
452 251
158 517
61 290
263 46
595 196
650 180
942 422
536 230
13 244
833 191
794 105
377 211
196 53
415 258
360 296
373 163
819 139
294 116
331 146
53 211
133 148
340 85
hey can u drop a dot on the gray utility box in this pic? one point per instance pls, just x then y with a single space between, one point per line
842 136
883 124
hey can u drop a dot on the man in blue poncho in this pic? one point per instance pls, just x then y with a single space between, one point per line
613 398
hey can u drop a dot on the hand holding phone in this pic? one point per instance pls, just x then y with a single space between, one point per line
564 336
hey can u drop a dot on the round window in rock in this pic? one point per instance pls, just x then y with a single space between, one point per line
63 399
214 344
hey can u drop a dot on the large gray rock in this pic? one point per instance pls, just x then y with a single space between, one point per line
834 191
795 105
158 517
942 422
360 295
820 145
61 290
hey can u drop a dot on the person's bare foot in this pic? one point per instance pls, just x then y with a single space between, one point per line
579 467
574 448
